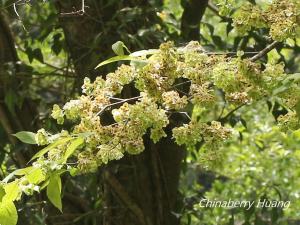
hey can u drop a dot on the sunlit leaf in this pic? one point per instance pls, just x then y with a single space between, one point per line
2 192
54 191
72 147
36 176
116 59
12 191
8 213
144 52
53 145
23 171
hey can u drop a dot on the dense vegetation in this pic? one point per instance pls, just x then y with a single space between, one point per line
136 112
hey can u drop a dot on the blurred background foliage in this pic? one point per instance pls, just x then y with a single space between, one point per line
43 63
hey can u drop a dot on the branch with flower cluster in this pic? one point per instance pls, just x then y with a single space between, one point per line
169 80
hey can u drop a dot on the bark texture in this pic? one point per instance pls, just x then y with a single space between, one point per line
191 18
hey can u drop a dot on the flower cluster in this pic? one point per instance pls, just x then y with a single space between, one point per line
281 17
289 121
172 100
195 132
169 82
247 17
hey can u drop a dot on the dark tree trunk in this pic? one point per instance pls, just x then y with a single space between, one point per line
191 17
144 188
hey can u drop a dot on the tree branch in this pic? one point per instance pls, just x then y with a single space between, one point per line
264 51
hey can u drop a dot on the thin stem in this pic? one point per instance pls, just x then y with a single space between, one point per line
180 112
213 8
117 103
230 53
80 12
185 82
231 112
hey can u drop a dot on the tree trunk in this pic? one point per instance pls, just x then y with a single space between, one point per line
191 17
143 189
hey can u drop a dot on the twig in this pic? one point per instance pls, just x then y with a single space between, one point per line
16 11
117 103
213 8
223 119
185 82
230 53
186 114
264 51
180 112
80 12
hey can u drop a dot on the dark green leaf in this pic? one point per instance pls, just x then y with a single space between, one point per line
38 55
57 44
118 48
26 137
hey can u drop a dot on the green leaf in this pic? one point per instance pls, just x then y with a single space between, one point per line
54 191
29 53
144 52
44 185
26 137
298 109
74 171
292 77
23 171
57 44
119 47
84 134
72 147
18 172
8 213
38 55
116 59
36 176
2 192
53 145
12 192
